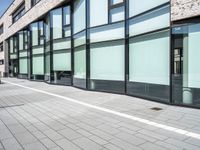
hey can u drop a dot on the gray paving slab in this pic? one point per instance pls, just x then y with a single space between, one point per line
87 144
45 122
67 145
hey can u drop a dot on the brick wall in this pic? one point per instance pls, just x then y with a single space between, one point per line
181 9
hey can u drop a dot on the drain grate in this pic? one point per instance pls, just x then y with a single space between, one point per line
11 106
156 108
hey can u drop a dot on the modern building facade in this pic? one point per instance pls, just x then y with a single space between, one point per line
141 48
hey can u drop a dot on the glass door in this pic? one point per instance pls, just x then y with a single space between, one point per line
186 61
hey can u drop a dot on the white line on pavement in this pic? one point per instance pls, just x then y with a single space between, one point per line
145 121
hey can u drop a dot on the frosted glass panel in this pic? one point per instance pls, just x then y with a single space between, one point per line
47 64
38 65
67 31
107 61
79 15
11 45
62 61
117 14
38 50
23 66
80 63
79 39
149 58
139 6
23 54
60 45
13 56
21 41
194 56
56 16
149 22
98 12
109 32
34 29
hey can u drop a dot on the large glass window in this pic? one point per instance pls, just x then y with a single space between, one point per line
149 65
98 12
151 21
34 29
23 52
79 15
112 66
80 62
139 6
13 57
186 73
108 32
61 39
149 58
56 19
37 58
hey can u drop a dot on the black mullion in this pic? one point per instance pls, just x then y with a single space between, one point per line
72 42
51 48
38 30
109 16
9 57
171 60
126 44
30 53
63 33
17 49
87 44
44 46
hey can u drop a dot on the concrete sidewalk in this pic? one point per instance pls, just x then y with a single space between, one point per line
32 120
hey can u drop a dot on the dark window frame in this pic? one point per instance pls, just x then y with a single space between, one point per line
34 2
2 62
18 12
1 47
1 29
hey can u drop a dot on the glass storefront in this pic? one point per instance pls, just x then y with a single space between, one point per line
114 46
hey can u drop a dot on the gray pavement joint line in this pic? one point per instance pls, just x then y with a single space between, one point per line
145 121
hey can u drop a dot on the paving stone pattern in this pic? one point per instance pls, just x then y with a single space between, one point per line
34 121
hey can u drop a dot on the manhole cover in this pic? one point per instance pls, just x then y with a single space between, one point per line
156 108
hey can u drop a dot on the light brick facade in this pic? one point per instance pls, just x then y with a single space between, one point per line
182 9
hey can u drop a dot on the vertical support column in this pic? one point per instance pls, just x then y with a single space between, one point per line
51 49
17 47
6 57
72 41
30 54
187 92
126 44
87 44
